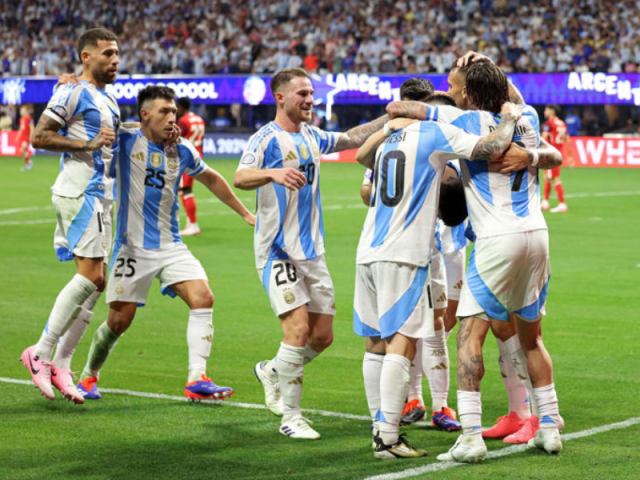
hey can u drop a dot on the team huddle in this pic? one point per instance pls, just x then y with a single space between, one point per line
433 161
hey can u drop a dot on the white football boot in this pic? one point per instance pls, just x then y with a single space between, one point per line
269 381
467 449
298 427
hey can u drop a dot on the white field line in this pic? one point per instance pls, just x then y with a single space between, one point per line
161 396
251 201
436 467
412 472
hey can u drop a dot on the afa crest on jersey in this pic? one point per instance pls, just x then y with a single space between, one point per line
156 159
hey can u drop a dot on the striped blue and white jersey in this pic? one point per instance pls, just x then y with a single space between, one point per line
148 177
495 206
81 110
450 239
400 223
288 223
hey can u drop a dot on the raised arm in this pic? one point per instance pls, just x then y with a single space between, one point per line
514 94
497 142
355 137
46 136
221 189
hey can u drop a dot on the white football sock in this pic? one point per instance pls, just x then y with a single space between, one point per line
394 385
470 412
415 376
516 391
70 340
435 360
309 354
547 401
199 338
519 360
290 376
67 307
371 369
103 343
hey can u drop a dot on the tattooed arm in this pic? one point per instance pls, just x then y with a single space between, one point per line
356 137
497 142
516 158
408 109
367 153
46 136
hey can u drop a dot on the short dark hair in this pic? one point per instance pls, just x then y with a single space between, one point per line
416 88
555 108
441 99
184 102
92 36
452 204
487 86
152 92
286 75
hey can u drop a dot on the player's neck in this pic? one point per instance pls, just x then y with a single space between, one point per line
286 124
146 131
87 77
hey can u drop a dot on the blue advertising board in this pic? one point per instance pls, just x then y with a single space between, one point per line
343 89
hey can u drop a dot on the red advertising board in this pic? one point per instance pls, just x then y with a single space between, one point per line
9 143
606 152
587 152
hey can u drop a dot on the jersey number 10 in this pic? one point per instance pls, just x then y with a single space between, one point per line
398 178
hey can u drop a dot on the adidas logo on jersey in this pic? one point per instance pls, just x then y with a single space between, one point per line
208 338
440 366
442 298
291 156
459 285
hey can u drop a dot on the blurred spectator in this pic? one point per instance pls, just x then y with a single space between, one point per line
261 36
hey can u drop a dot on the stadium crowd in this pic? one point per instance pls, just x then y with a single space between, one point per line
263 36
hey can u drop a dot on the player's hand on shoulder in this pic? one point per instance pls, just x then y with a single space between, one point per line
289 177
66 79
105 137
511 110
400 123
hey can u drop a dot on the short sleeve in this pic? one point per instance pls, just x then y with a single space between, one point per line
253 156
456 141
327 141
193 164
63 103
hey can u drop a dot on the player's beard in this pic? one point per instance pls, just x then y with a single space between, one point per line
105 77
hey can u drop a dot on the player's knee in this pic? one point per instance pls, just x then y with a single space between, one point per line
203 299
323 341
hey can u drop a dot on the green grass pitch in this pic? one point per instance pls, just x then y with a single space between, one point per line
592 331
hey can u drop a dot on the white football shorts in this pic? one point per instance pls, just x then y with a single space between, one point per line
84 227
290 284
392 298
507 274
454 263
438 281
133 269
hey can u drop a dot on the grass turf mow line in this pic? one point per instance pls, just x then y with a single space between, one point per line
162 396
503 452
326 207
